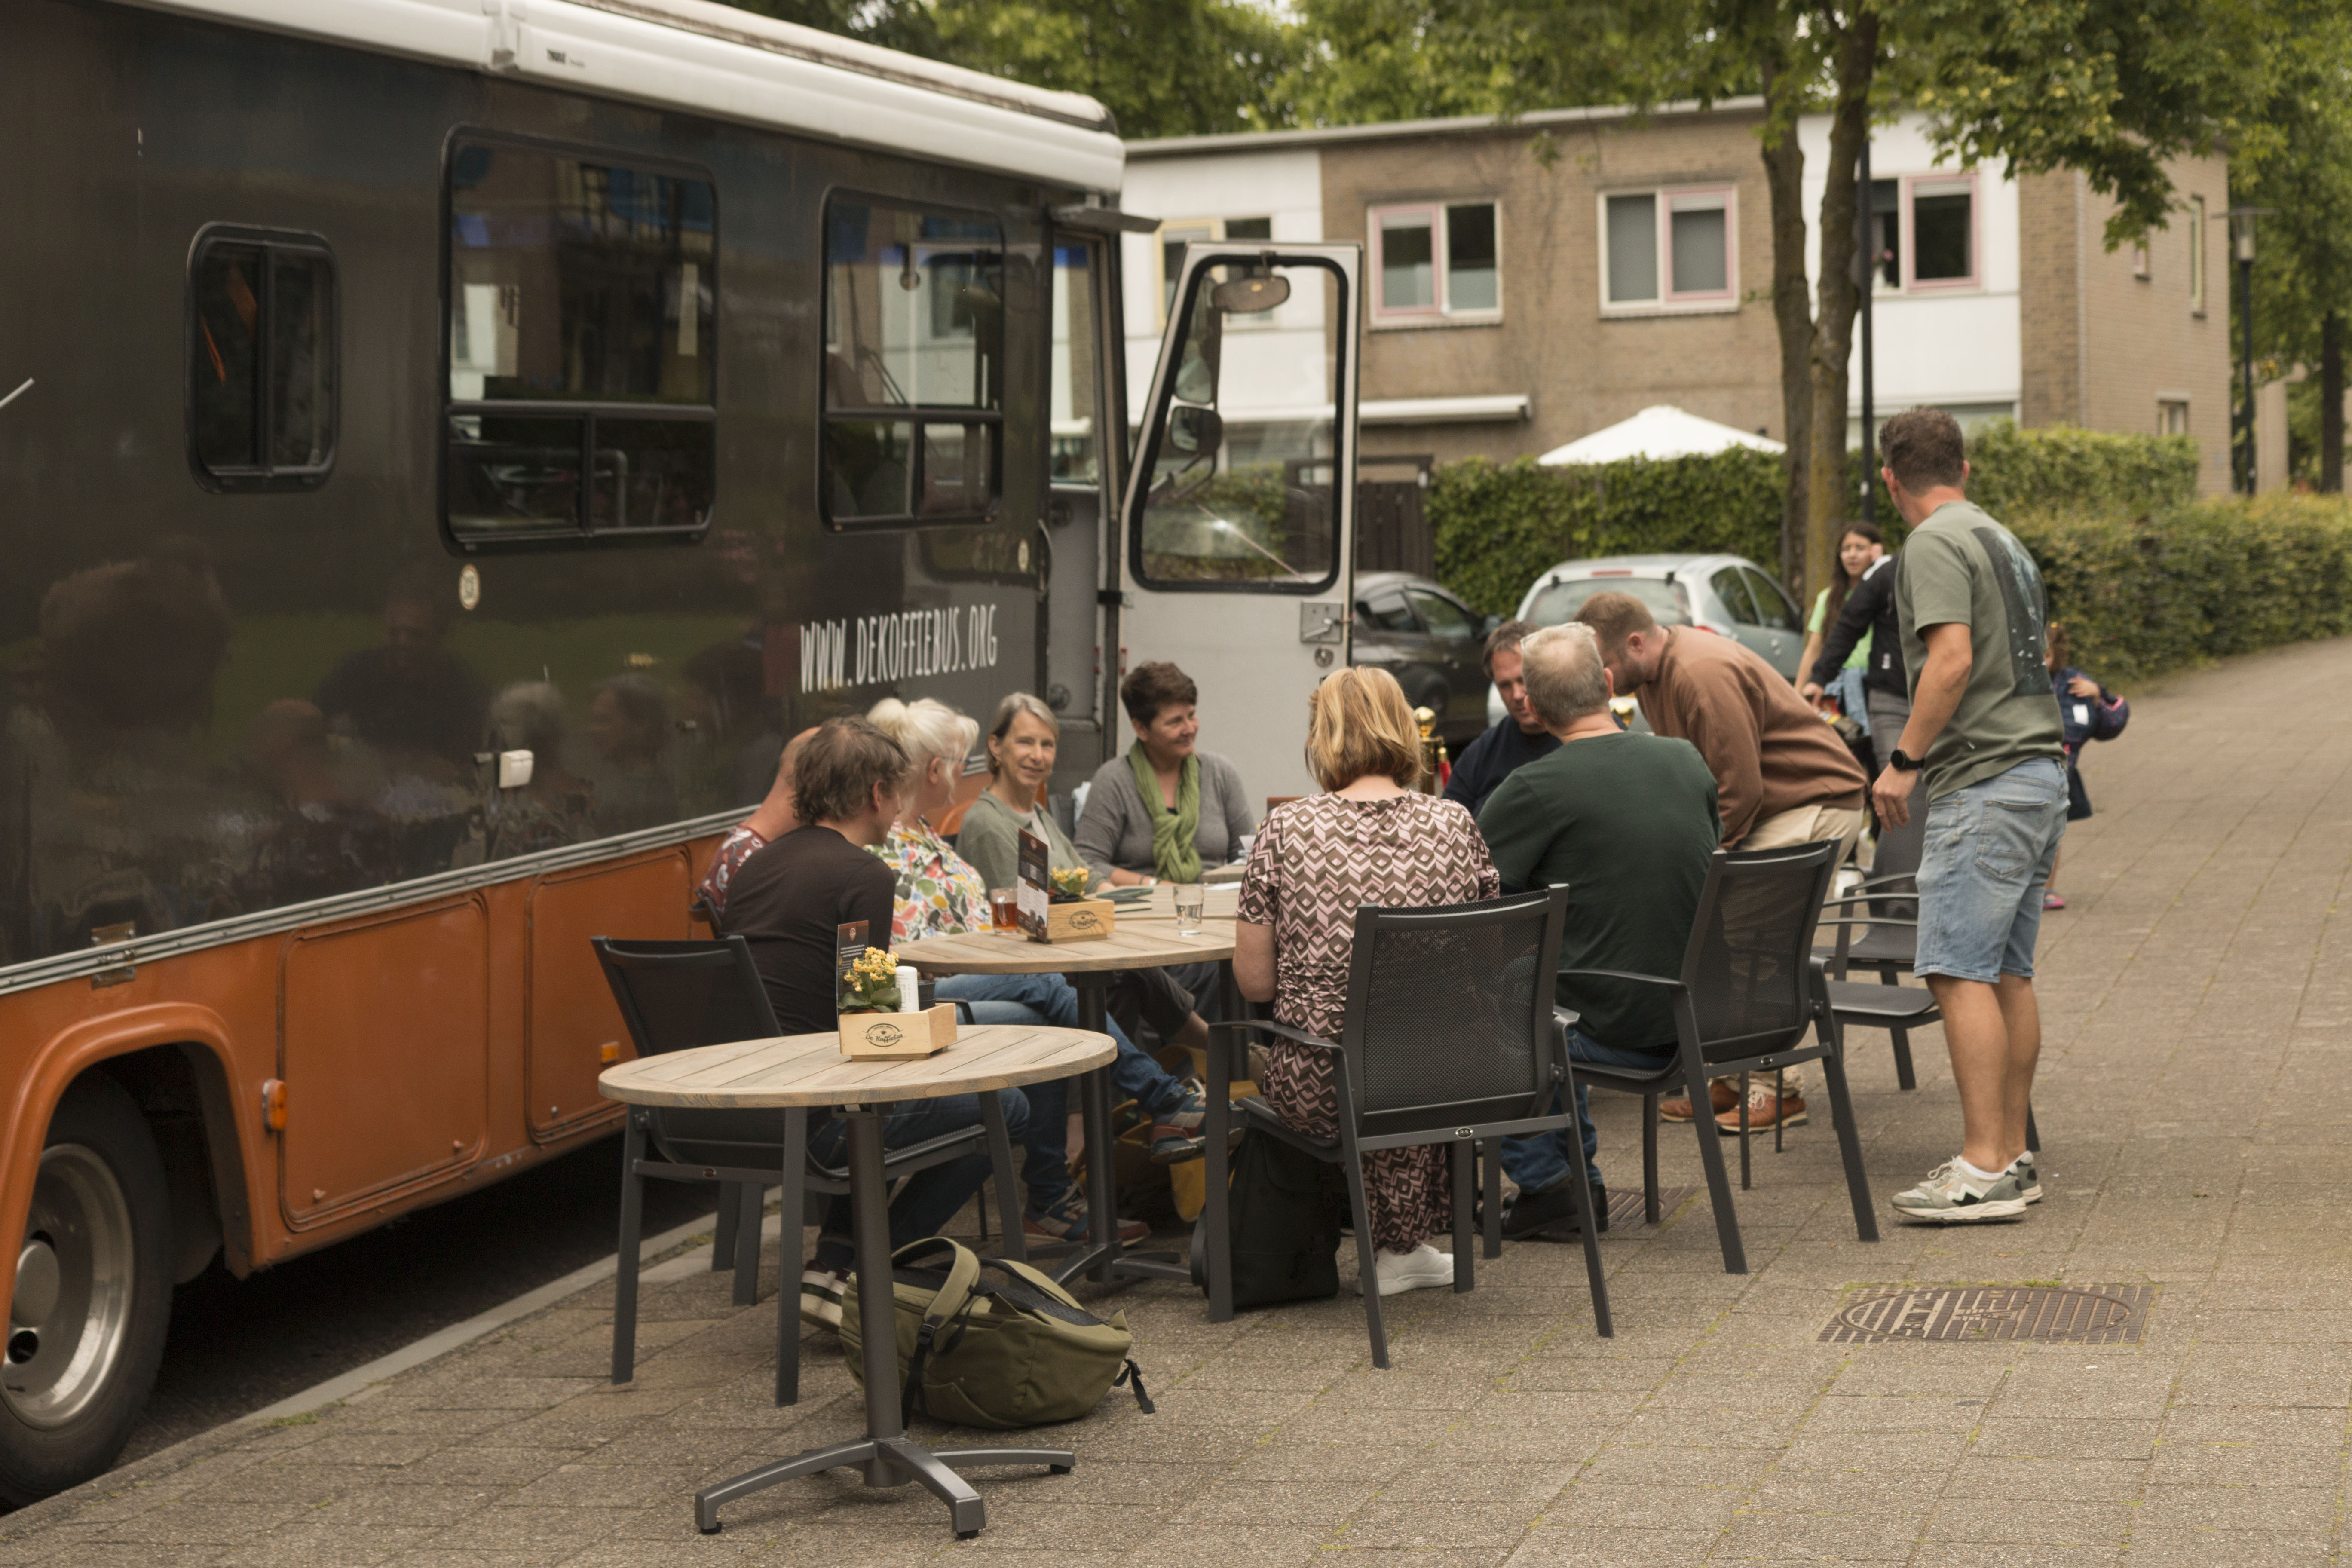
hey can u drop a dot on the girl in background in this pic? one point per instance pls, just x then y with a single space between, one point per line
2086 711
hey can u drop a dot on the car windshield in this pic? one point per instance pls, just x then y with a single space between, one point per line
1557 601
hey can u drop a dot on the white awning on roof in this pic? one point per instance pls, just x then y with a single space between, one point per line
1661 430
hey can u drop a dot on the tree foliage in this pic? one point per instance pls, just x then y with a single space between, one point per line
1162 67
2296 161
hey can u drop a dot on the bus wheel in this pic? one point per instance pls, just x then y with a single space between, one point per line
92 1297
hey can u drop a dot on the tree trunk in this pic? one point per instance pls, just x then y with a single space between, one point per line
2331 402
1831 494
1784 176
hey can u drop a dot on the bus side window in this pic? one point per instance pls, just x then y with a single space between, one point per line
582 323
261 359
914 365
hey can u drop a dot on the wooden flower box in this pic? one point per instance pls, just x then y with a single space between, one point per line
1082 920
897 1037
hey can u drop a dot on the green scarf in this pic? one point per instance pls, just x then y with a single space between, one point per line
1175 835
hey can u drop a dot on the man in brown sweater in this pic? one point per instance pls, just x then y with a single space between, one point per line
1782 776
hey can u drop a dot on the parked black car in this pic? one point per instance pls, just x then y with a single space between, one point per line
1419 633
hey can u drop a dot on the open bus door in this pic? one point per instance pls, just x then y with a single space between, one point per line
1239 520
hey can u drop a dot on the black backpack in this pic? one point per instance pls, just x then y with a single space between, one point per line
1286 1210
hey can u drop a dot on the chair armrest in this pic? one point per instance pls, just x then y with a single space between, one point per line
1870 898
1297 1037
1863 921
1625 974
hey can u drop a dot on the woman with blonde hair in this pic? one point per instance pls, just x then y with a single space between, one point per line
1372 839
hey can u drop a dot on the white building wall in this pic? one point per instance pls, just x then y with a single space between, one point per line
1275 365
1956 348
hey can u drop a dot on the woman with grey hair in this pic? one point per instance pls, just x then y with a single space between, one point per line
940 894
1022 743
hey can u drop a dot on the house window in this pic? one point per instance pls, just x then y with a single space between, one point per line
914 370
2197 254
261 359
1668 249
2172 416
1943 231
2143 264
1886 220
1435 261
582 331
1175 237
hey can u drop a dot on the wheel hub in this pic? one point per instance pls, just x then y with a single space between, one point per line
34 1298
69 1313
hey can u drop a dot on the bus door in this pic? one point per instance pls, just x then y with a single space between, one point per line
1239 520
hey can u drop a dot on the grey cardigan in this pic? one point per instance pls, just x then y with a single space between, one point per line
991 839
1115 830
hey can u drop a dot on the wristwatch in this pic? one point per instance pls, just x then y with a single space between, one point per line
1901 763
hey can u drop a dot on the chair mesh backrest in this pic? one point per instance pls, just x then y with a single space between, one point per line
677 995
1449 1014
1750 984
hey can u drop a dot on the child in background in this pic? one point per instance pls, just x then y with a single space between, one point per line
2087 711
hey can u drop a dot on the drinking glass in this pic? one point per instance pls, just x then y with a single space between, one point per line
1192 898
1005 903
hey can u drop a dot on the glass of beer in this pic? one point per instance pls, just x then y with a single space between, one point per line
1005 903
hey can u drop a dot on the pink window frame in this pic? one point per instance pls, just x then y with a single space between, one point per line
1912 283
1378 233
1667 196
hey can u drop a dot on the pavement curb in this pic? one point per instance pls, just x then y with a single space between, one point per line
654 1267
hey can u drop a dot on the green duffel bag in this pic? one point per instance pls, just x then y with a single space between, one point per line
985 1342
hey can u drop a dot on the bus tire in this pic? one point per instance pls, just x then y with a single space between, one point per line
92 1299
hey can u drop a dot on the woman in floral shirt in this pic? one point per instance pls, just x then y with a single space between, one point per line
940 894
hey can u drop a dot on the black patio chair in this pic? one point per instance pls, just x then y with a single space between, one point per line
1891 947
1750 991
1447 1039
675 996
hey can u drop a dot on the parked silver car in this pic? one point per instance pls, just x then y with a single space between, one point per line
1726 593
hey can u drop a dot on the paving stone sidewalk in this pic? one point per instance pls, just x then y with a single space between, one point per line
2193 1104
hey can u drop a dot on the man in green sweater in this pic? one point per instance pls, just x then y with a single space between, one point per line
1629 823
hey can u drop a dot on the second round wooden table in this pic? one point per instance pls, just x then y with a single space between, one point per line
1090 967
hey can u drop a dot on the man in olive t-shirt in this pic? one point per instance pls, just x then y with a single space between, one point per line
1629 823
1984 731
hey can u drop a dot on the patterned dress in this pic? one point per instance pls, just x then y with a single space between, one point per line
1315 860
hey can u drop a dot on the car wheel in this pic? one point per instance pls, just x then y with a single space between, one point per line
92 1299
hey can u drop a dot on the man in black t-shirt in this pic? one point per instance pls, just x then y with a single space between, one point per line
788 901
1518 739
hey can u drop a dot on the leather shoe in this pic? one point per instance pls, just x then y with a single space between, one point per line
1554 1206
1764 1111
1720 1093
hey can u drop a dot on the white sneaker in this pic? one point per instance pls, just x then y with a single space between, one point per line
1401 1271
820 1290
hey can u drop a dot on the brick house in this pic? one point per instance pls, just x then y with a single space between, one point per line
1515 303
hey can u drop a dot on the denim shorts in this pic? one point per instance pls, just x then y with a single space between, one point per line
1988 856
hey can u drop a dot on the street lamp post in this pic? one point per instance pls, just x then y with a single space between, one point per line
2241 232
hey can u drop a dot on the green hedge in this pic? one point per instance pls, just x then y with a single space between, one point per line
2014 471
1497 525
2192 583
2146 578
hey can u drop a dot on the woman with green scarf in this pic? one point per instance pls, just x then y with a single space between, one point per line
1166 811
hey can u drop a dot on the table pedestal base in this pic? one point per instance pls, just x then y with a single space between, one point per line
889 1462
891 1458
1101 1253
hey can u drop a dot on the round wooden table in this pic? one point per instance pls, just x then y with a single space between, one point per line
1090 967
803 1070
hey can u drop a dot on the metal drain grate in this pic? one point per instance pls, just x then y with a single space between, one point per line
2107 1315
